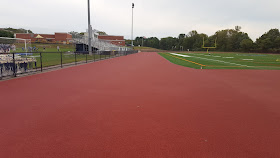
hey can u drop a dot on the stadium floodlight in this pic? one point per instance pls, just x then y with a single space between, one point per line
203 46
132 26
89 30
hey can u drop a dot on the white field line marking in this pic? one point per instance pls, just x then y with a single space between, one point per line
213 60
247 59
272 62
217 56
187 56
228 57
222 61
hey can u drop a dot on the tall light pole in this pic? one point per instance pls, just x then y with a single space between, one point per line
89 30
132 26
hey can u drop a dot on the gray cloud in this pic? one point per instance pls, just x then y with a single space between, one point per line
152 18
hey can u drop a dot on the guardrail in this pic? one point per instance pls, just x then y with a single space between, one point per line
15 64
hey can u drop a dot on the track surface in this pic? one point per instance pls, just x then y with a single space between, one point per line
141 106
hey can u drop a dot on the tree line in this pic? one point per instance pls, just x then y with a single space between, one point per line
229 40
9 32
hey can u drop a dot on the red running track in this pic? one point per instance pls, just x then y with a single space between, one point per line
141 106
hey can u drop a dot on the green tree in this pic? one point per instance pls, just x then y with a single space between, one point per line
102 33
193 41
168 43
269 42
230 39
20 30
4 33
76 34
151 42
246 44
138 41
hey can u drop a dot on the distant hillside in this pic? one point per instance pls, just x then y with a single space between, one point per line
20 30
9 32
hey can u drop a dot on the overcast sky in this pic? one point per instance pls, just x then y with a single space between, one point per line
159 18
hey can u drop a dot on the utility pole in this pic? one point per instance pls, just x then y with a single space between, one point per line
132 26
89 30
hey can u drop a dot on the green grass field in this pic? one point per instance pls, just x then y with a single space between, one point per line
225 60
52 59
49 47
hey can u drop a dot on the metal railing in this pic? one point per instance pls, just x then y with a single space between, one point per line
15 64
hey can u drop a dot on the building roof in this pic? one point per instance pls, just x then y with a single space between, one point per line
39 36
63 33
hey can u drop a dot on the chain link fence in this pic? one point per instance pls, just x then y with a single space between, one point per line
17 64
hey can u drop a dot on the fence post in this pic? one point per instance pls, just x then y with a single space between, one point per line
1 73
14 65
86 58
61 59
75 58
41 62
93 56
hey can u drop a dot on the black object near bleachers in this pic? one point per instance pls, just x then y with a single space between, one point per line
83 48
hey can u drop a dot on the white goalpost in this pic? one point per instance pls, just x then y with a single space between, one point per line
8 45
15 57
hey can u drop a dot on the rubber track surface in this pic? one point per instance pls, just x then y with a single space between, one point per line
141 106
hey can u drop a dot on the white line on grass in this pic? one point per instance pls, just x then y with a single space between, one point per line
221 61
210 59
181 55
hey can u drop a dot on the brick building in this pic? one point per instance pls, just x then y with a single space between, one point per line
46 38
116 40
